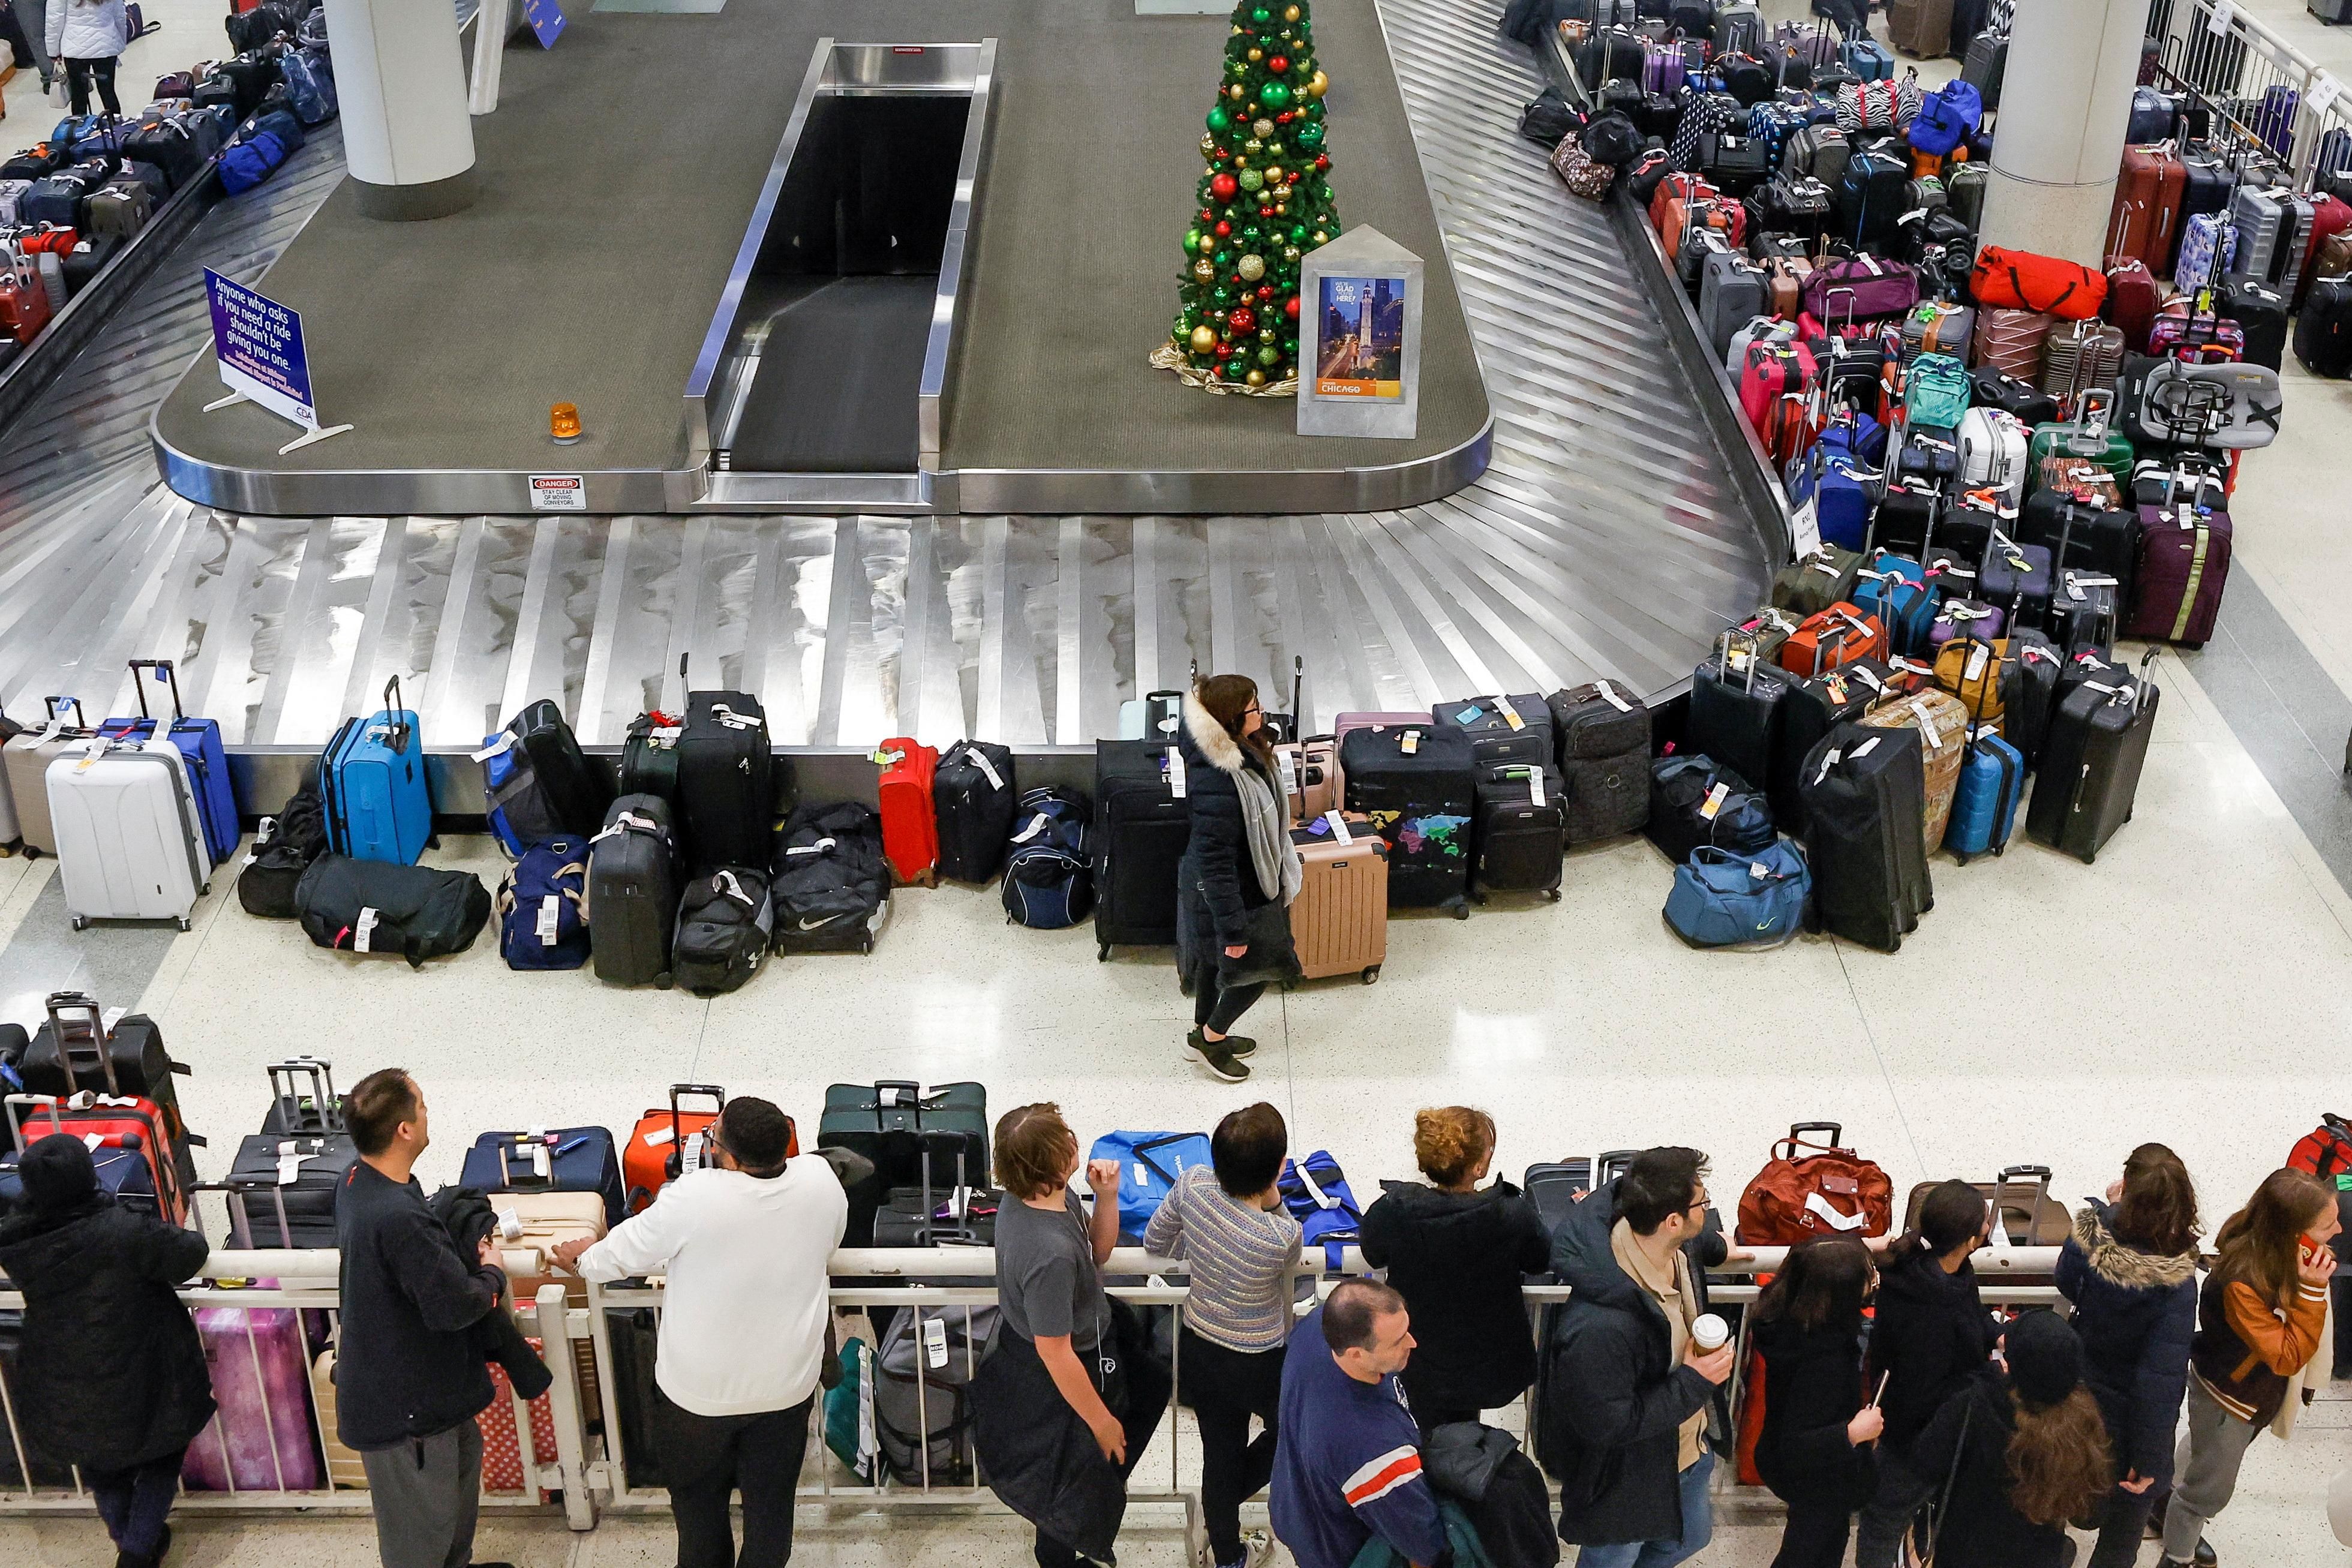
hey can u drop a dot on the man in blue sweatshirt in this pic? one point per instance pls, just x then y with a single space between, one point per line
1349 1463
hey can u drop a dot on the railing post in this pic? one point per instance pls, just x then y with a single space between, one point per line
555 1341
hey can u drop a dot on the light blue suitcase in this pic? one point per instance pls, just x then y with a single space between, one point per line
1984 803
371 778
199 741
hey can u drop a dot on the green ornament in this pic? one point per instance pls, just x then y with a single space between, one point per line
1221 295
1275 95
1191 240
1250 179
1298 234
1269 355
1309 136
1219 120
1260 16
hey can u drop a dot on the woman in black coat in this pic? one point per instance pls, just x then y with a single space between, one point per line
109 1375
1238 860
1457 1252
1816 1450
2130 1269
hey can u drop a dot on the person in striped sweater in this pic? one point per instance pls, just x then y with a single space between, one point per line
1348 1464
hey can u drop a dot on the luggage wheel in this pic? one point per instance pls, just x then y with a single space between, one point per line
1552 893
1461 911
185 924
1372 975
81 922
867 947
1102 953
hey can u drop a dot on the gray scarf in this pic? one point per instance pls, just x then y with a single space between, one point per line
1272 854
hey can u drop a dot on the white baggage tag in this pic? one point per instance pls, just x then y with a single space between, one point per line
289 1163
1608 695
1339 834
934 1343
498 748
659 1136
1535 787
1927 724
1758 869
1805 526
691 1157
1510 714
1283 760
2074 589
1411 742
362 929
1143 1175
1826 567
1869 678
979 760
666 737
1037 824
1976 663
1736 659
886 1097
2324 92
542 1164
1828 763
2217 22
1866 748
94 1140
547 907
1714 802
1176 772
2181 515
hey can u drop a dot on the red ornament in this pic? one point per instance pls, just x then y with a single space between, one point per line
1223 186
1225 351
1292 177
1278 66
1223 228
1290 307
1241 319
1322 160
1266 291
1266 212
1206 214
1283 119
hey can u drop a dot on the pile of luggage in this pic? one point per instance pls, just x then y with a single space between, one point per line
70 203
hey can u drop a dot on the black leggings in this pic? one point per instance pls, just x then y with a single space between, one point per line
1216 1006
1225 1388
78 75
1814 1536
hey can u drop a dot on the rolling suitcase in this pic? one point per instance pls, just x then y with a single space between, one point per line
259 1438
2091 764
1993 781
283 1181
2146 222
199 741
1604 760
1942 724
725 923
1311 784
2021 1215
117 1144
831 882
910 821
2010 342
2322 333
726 782
1417 782
1152 717
1734 709
1864 792
908 1132
2260 311
1520 831
371 778
1339 921
1985 63
537 783
649 756
1143 820
128 842
667 1141
2079 359
2132 300
27 755
10 833
974 792
1814 582
1816 705
2017 577
549 1160
1501 728
633 892
2029 691
74 1050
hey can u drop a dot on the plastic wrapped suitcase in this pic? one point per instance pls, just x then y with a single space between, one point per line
1143 820
199 741
1418 785
128 842
633 892
831 886
974 792
259 1439
1339 921
1519 830
2091 764
1604 760
910 823
1941 725
1864 792
2184 566
726 781
371 777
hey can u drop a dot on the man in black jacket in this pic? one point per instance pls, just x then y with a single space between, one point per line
1629 1390
409 1379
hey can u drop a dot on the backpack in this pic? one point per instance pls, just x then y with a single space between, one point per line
311 86
250 162
1048 881
1814 1189
1315 1190
541 923
723 921
1946 117
1719 900
283 847
1936 391
2326 1153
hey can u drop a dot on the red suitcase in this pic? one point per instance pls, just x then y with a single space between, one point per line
910 822
2131 300
2329 216
2147 218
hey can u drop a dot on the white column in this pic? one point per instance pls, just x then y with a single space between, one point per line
2065 101
401 79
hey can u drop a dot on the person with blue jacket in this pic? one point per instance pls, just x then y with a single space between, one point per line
2130 1269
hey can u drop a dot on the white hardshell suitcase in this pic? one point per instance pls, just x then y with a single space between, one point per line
130 845
1993 449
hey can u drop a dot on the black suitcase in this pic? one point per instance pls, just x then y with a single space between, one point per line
1984 65
282 1188
2322 333
724 921
895 1121
2082 611
572 792
1421 801
1735 708
635 1335
66 1057
1494 738
832 886
1988 388
1604 760
2260 311
1140 828
13 1467
726 781
2091 765
302 1100
1816 705
2082 538
1521 830
1695 800
649 756
1864 808
974 792
2029 691
633 892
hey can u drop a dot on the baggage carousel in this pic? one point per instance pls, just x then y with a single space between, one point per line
1614 529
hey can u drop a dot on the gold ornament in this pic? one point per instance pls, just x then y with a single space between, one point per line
1320 238
1282 210
1252 145
1290 13
1255 56
1204 271
1317 85
1234 93
1207 147
1256 378
1252 269
1262 128
1205 340
1290 254
1207 242
1265 334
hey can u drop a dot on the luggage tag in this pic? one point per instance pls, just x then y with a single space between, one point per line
1409 741
979 760
883 759
2181 514
732 719
1468 715
498 748
1608 695
934 1343
1535 787
2324 92
1510 714
1037 823
1976 668
1289 768
363 930
1714 802
1175 773
1339 834
1926 724
549 908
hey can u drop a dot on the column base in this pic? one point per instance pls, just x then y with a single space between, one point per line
416 203
2067 221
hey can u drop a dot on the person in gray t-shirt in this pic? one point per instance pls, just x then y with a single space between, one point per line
1048 1284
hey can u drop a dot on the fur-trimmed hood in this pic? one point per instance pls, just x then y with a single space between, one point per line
1217 748
2124 1265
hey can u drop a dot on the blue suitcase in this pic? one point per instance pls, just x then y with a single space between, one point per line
1868 59
199 741
1993 781
576 1160
373 781
1895 588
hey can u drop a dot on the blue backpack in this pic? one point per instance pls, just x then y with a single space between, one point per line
250 162
543 906
1150 1165
1946 117
1048 881
1936 391
1315 1190
1720 901
311 86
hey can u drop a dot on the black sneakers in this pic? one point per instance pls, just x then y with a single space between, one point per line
1218 1056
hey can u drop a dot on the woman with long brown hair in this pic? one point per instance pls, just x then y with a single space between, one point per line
2130 1269
1818 1449
1240 871
2260 1320
2018 1453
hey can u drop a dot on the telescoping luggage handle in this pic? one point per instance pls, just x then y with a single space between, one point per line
75 1016
679 1091
285 1089
396 733
1797 1139
56 725
2001 1236
16 1104
163 671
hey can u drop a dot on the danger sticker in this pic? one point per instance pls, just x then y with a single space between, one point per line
558 492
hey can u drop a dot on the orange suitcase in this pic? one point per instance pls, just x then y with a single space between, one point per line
1340 922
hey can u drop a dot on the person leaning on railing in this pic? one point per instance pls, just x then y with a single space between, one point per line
111 1376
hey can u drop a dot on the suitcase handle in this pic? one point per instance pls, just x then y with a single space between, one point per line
16 1123
392 710
1836 1130
81 719
679 1091
240 1219
64 1005
322 1089
163 671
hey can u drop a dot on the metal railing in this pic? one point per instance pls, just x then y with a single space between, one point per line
2261 91
587 1472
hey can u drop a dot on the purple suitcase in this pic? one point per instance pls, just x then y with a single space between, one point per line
260 1440
2176 591
1964 618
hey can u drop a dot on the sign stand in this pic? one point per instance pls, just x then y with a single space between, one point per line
262 359
496 23
1360 338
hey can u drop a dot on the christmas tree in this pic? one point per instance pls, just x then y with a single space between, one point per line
1264 201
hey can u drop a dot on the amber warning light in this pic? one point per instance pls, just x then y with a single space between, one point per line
563 423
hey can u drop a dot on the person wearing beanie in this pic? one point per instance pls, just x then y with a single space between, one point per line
109 1375
2016 1454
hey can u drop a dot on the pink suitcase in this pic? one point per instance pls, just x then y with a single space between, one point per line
260 1439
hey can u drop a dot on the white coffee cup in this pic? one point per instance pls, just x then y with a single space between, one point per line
1710 1332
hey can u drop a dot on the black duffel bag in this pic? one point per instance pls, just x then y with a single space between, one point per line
370 906
283 849
1612 138
1548 117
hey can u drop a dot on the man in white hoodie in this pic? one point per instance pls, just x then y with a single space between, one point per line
744 1245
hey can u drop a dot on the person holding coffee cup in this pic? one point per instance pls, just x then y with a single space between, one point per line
1626 1404
1818 1449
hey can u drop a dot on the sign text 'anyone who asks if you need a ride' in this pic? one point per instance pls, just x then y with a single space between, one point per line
262 359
